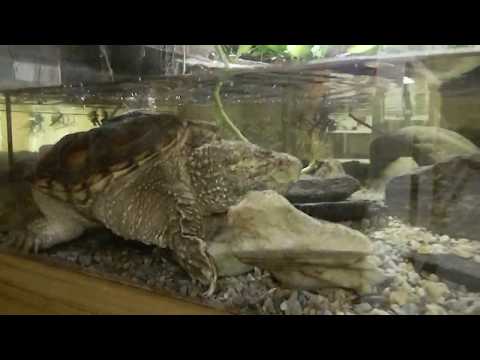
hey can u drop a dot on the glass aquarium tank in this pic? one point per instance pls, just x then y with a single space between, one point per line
245 179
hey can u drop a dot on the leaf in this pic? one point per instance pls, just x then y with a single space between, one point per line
244 49
277 48
299 51
362 49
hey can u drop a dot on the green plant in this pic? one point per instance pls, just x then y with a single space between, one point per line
299 52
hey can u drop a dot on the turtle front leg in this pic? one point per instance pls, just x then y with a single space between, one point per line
42 234
186 241
190 252
61 223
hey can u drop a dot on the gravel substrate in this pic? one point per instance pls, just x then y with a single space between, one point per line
405 292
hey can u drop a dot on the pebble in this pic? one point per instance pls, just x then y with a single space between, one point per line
438 249
409 309
473 309
85 260
366 223
435 290
413 277
404 292
362 308
435 309
420 292
374 300
268 306
463 251
457 306
443 238
400 296
316 301
184 290
378 312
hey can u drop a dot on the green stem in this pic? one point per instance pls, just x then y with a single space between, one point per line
223 56
218 102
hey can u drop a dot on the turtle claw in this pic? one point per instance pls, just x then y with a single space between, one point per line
23 241
211 289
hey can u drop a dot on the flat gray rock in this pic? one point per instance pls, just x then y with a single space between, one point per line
450 267
336 211
312 189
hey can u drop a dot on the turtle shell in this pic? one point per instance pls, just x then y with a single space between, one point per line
80 160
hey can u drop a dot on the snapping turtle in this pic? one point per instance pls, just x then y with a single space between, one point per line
149 177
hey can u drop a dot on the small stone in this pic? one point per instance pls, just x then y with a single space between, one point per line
257 273
438 249
409 309
85 260
435 309
374 300
396 308
424 249
433 277
473 309
378 312
97 257
147 261
362 308
413 277
463 251
399 296
366 223
184 290
268 306
293 305
443 238
239 301
317 301
458 306
476 258
435 290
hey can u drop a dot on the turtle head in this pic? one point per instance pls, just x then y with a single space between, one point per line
248 167
225 171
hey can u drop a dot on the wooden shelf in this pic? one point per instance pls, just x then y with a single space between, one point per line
31 287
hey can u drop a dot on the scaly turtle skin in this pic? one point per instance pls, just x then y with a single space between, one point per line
152 178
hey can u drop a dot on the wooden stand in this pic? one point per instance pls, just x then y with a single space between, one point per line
29 286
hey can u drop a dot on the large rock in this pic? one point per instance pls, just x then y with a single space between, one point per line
266 231
444 197
427 145
312 189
